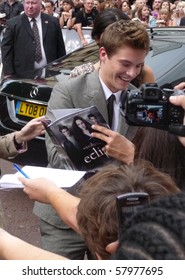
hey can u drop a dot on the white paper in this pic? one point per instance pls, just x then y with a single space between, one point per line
61 177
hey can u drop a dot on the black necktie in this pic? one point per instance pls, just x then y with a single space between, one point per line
38 53
110 108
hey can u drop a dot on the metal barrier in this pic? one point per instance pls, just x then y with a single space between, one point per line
72 40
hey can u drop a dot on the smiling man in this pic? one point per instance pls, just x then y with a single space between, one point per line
123 48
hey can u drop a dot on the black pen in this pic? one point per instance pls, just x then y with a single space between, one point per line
20 170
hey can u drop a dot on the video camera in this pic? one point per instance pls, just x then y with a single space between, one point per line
150 106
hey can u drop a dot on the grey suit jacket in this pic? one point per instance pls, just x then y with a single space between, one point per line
18 45
80 92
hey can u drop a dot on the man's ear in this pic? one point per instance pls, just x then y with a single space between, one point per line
112 247
102 54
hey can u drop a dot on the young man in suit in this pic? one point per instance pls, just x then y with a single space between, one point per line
121 61
19 45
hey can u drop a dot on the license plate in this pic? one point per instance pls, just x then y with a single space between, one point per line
30 109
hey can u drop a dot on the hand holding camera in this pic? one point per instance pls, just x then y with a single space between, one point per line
150 106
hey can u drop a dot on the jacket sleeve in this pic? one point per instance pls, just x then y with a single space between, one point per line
56 159
61 51
7 51
7 147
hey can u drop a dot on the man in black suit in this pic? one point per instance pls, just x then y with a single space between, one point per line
19 43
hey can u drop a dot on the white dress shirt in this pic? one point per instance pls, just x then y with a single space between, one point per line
43 61
116 113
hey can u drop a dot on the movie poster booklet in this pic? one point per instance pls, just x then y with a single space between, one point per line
87 155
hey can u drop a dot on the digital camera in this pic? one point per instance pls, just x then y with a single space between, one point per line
150 106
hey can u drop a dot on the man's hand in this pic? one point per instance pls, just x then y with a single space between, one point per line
39 189
180 86
117 145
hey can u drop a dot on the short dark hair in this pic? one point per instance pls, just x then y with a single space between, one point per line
61 127
50 1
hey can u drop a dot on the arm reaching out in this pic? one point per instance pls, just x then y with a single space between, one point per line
13 248
45 191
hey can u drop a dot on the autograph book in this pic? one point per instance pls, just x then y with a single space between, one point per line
61 177
71 133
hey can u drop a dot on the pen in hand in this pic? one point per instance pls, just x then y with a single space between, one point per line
17 168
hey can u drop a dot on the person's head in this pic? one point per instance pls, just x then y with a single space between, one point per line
64 130
104 19
122 59
32 8
98 5
97 216
140 3
79 124
164 14
156 5
88 5
67 5
166 5
93 118
155 232
49 7
125 7
151 114
180 6
143 12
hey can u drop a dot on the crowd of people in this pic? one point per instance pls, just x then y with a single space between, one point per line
142 159
77 14
156 13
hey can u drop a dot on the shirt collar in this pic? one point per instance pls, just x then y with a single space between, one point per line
108 92
37 18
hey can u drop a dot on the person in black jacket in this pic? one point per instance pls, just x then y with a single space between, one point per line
19 43
11 8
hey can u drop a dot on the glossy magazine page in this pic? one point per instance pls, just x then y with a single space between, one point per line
73 131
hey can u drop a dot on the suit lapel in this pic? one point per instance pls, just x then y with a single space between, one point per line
26 25
45 22
96 94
